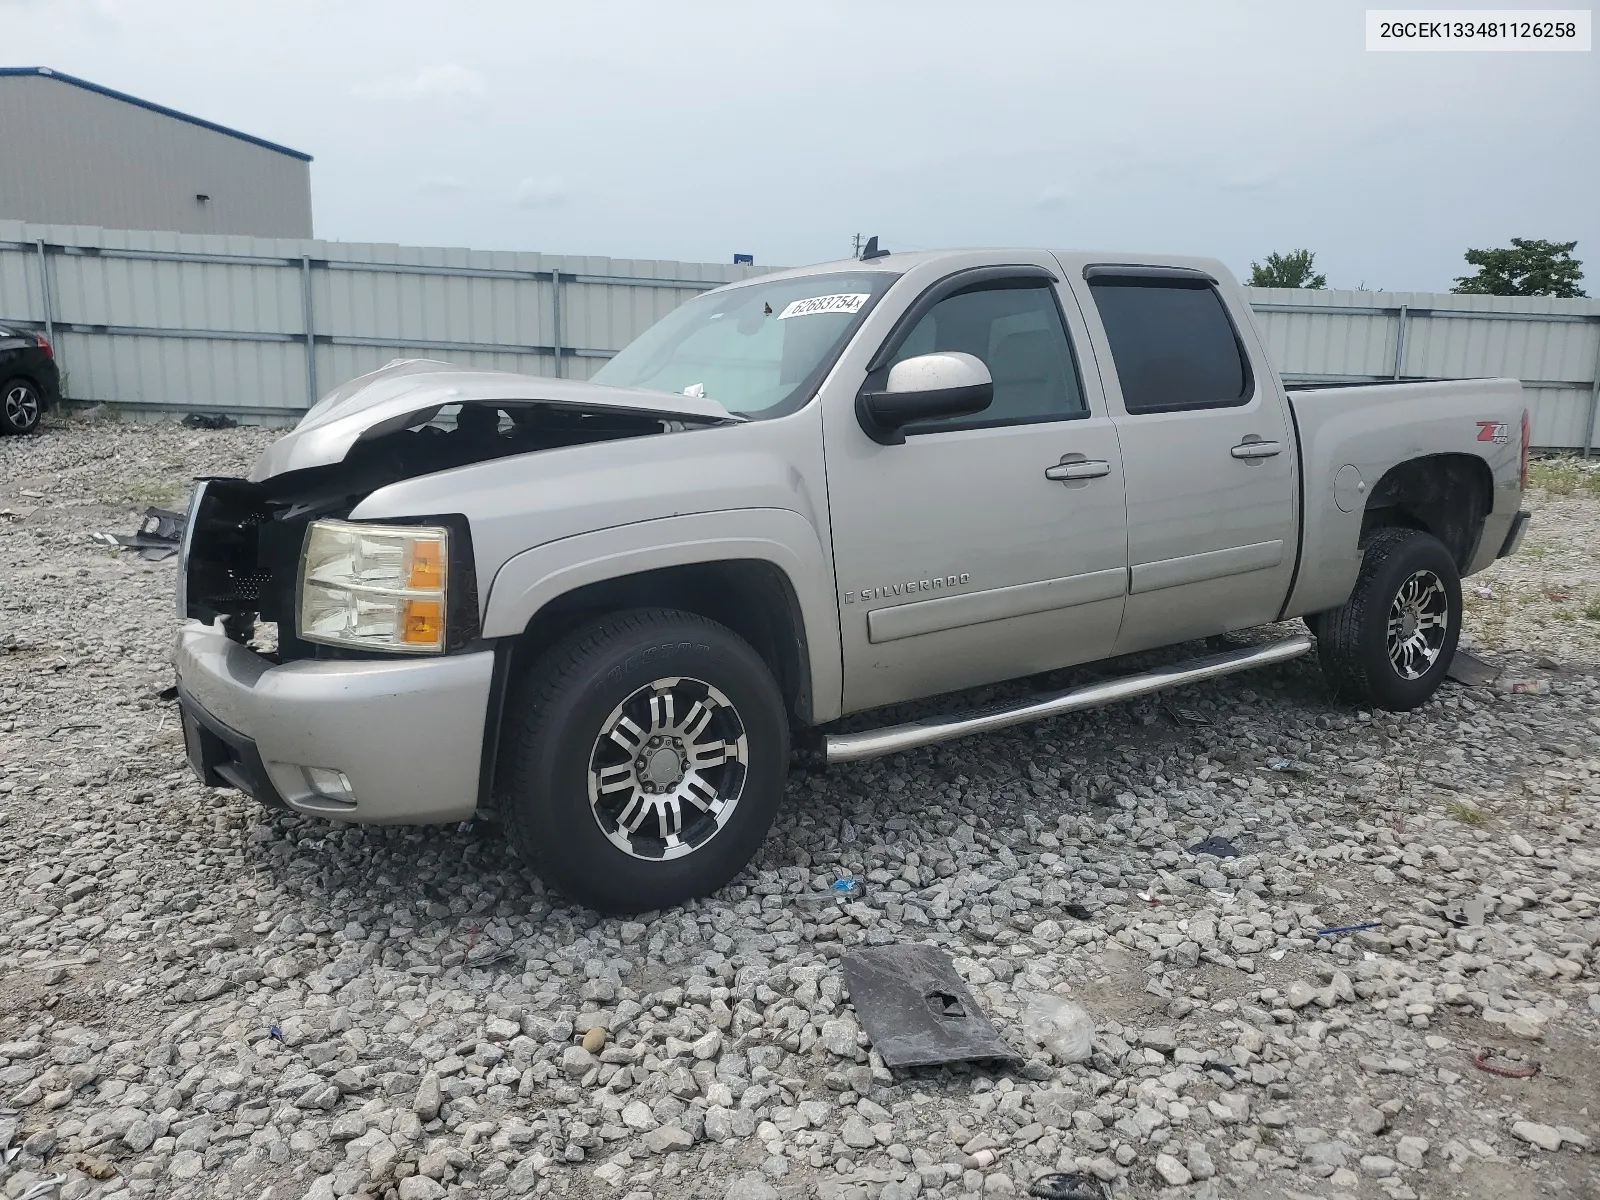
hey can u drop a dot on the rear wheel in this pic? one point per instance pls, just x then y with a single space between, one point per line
21 406
1390 644
646 760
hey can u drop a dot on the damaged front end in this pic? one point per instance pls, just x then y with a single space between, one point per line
241 559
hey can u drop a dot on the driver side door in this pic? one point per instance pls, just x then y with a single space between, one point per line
962 556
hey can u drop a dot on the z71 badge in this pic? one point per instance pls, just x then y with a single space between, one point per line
1498 432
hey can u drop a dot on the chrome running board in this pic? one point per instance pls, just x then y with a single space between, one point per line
853 747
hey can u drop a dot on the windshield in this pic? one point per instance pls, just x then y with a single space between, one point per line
759 350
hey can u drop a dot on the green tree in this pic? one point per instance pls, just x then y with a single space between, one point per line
1530 267
1291 270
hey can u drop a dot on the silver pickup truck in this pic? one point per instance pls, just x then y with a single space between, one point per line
604 612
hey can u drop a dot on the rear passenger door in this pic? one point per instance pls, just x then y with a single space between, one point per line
1207 454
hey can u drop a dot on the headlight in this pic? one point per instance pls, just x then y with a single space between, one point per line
381 587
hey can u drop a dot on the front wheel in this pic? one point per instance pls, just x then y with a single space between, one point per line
645 761
1390 644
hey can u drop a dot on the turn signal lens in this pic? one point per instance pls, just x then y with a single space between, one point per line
422 623
427 564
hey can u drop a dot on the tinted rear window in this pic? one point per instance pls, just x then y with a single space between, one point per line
1173 345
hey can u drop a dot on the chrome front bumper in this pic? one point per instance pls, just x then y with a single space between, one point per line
406 735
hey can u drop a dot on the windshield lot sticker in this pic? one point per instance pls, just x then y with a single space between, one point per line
844 302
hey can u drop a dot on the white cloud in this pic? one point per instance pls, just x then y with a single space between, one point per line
436 82
534 192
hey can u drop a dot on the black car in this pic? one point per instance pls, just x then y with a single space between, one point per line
29 381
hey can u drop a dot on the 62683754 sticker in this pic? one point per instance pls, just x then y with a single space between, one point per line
843 302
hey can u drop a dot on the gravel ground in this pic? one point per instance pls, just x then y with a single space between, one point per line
198 998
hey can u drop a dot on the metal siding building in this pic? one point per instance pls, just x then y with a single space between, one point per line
74 153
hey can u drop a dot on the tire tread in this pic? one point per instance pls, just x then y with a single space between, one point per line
565 665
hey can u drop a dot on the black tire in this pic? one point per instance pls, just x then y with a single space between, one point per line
1359 659
555 739
21 406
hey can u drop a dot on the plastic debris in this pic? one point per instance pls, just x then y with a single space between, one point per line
45 1185
1067 1185
1470 670
1061 1026
275 1033
158 537
844 887
210 421
1287 766
917 1010
1481 1061
1219 847
1335 930
1182 715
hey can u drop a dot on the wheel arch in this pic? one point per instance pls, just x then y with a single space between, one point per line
1446 495
763 573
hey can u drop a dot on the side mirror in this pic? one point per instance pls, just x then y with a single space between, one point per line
929 387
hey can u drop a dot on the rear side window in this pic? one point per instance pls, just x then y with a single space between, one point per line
1018 334
1173 343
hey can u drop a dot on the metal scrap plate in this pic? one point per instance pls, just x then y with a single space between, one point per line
1471 670
917 1010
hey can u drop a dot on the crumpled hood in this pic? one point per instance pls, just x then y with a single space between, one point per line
399 394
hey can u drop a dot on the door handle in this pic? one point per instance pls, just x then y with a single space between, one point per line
1256 449
1083 468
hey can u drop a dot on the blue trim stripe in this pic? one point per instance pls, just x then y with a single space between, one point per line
48 73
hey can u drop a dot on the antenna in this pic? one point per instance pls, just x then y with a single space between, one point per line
871 251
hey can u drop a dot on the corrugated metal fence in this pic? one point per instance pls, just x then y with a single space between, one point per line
258 327
1553 346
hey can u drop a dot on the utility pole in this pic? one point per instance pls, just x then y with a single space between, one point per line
856 250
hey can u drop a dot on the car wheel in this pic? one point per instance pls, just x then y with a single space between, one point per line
21 406
645 760
1390 644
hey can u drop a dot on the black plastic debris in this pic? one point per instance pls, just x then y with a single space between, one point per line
210 421
1221 847
917 1010
1067 1185
1183 715
1470 670
159 535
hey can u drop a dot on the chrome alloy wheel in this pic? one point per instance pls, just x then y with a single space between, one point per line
668 768
1419 619
21 405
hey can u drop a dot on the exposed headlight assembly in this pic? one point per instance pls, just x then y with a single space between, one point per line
376 587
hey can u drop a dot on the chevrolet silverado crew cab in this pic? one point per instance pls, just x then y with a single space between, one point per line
603 611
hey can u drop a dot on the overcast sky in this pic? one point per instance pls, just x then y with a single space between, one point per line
693 129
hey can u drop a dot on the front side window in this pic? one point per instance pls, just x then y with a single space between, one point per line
1173 344
759 349
1017 332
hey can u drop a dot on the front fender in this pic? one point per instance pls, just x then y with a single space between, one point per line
528 581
